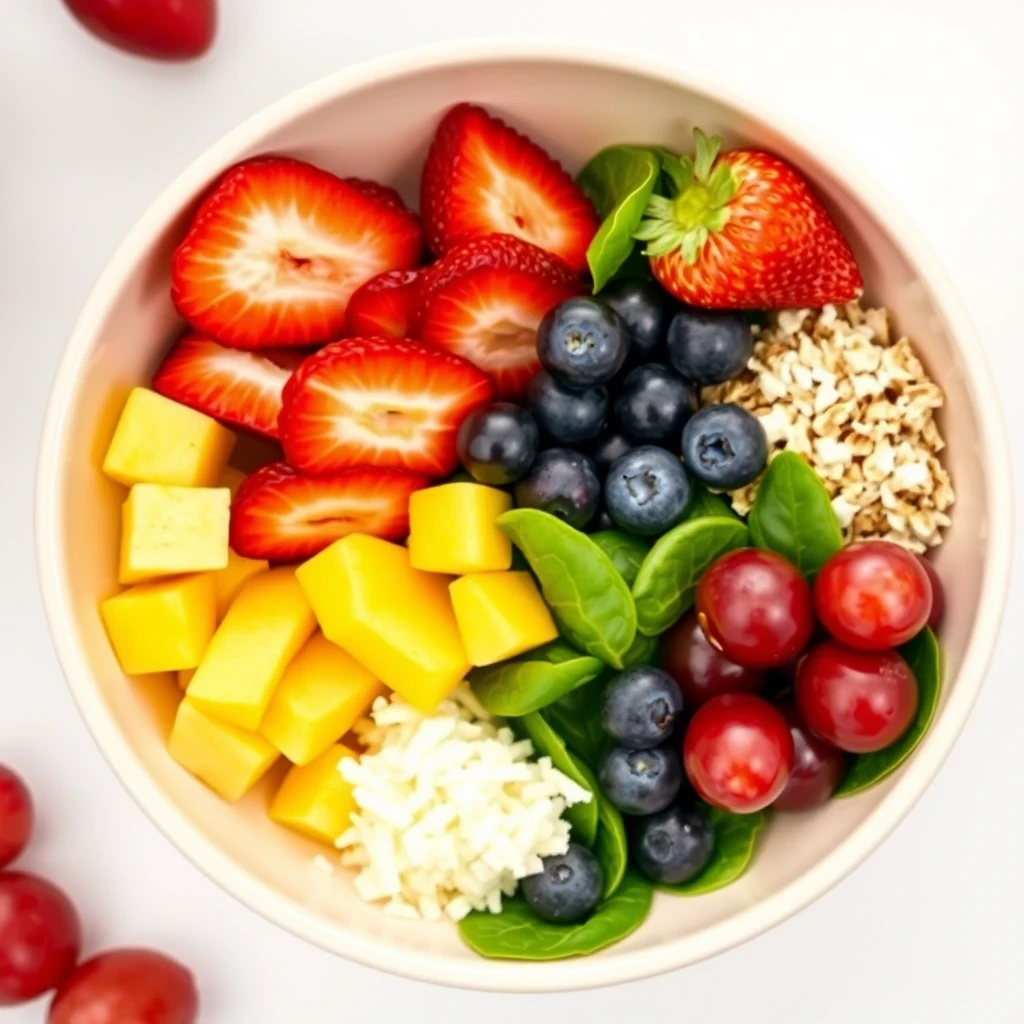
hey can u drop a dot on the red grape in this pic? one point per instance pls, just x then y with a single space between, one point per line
938 593
15 816
873 595
859 701
165 29
817 766
756 608
738 752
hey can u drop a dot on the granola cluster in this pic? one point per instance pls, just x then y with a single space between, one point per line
834 386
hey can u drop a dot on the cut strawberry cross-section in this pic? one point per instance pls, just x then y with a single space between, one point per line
482 177
277 249
379 402
386 306
484 300
282 516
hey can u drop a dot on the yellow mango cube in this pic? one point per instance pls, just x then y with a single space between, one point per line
453 529
323 691
314 799
232 479
263 630
158 441
162 626
229 760
229 581
392 618
166 531
185 677
500 615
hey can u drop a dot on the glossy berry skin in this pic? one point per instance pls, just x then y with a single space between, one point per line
859 701
873 595
641 707
162 29
567 415
738 752
498 443
818 767
563 483
709 347
724 446
654 403
569 887
938 593
701 670
674 845
39 937
641 781
606 449
756 608
582 342
16 816
647 310
647 491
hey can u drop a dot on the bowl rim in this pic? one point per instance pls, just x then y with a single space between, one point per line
587 972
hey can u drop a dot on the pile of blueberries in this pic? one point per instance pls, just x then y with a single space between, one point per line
615 407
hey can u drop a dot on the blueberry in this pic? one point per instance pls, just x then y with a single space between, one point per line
582 342
641 707
641 781
708 347
498 443
675 845
562 482
647 309
647 491
606 449
568 888
654 403
725 446
565 414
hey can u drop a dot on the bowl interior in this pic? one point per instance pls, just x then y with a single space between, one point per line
378 126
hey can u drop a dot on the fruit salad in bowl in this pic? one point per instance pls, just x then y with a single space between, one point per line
526 553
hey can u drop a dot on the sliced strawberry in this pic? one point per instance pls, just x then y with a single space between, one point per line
236 387
384 194
484 300
482 177
277 249
280 515
379 402
386 306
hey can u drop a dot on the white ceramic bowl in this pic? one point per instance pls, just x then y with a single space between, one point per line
376 121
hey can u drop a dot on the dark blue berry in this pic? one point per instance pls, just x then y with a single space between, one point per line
647 310
641 707
569 887
654 403
562 482
708 347
641 781
647 491
582 342
724 446
606 449
498 443
675 845
565 414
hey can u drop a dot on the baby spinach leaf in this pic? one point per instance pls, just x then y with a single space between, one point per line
793 515
547 743
643 652
705 505
735 840
924 656
590 601
518 934
618 181
626 551
576 717
667 580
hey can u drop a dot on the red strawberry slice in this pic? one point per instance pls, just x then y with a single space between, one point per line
484 300
386 306
236 387
482 177
379 402
280 515
277 249
383 194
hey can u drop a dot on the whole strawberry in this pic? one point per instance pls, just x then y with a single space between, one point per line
742 230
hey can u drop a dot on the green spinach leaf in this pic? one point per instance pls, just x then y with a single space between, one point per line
643 652
793 515
626 551
705 505
735 841
590 601
518 934
576 717
667 580
924 656
618 181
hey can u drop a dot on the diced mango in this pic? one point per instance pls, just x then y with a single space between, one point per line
322 692
185 677
229 581
263 630
453 529
392 618
500 615
167 531
158 441
232 479
229 760
163 626
314 799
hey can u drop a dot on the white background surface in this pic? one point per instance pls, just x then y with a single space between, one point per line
929 96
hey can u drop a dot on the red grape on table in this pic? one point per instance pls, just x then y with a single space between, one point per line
16 816
163 29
